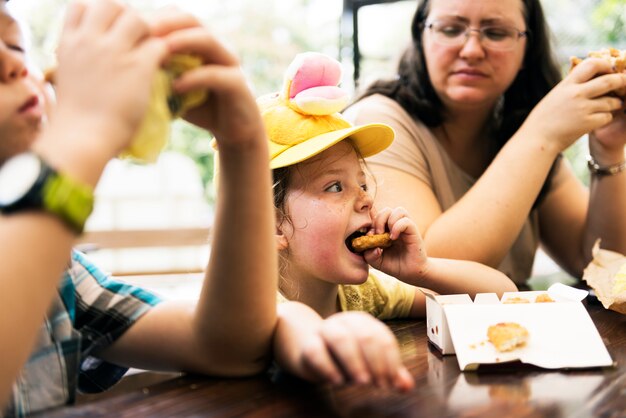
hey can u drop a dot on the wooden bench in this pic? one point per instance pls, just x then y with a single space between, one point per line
92 241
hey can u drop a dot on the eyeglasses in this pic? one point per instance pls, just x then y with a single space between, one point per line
453 33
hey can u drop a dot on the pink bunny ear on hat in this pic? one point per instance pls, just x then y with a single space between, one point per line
311 84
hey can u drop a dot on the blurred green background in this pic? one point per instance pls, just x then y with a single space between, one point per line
267 34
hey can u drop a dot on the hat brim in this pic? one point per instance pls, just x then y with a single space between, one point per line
369 139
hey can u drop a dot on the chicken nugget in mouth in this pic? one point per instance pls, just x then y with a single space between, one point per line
368 242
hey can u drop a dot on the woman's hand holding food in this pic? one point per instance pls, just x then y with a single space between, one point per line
606 144
585 96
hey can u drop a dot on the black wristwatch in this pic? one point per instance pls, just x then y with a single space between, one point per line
27 182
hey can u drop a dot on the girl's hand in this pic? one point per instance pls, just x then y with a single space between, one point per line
577 105
230 111
355 348
406 258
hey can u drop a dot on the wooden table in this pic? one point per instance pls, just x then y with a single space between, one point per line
441 389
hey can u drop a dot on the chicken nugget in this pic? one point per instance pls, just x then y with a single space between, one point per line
516 300
367 242
543 298
507 336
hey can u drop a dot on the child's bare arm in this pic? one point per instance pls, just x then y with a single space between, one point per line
345 348
27 287
406 260
229 331
449 276
92 122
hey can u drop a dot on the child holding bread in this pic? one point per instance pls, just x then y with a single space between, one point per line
67 326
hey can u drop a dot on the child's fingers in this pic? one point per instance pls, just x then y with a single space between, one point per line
374 257
400 226
210 77
100 15
371 343
154 48
397 214
375 359
381 220
199 41
130 28
319 364
339 337
392 360
74 14
387 218
400 223
170 19
381 353
373 213
404 381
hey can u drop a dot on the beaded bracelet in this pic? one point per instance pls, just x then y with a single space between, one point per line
610 170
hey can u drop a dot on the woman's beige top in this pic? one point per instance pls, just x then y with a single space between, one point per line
416 151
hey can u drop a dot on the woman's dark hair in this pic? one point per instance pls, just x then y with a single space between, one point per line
413 90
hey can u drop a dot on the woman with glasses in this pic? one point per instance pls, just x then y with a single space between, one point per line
481 120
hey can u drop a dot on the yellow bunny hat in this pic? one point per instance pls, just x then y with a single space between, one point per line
303 120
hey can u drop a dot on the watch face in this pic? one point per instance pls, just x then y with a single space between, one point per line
17 176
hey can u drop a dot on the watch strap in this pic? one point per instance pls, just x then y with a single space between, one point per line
69 199
610 170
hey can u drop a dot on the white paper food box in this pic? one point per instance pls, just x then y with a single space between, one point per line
561 333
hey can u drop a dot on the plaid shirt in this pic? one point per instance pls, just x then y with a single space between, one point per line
89 313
